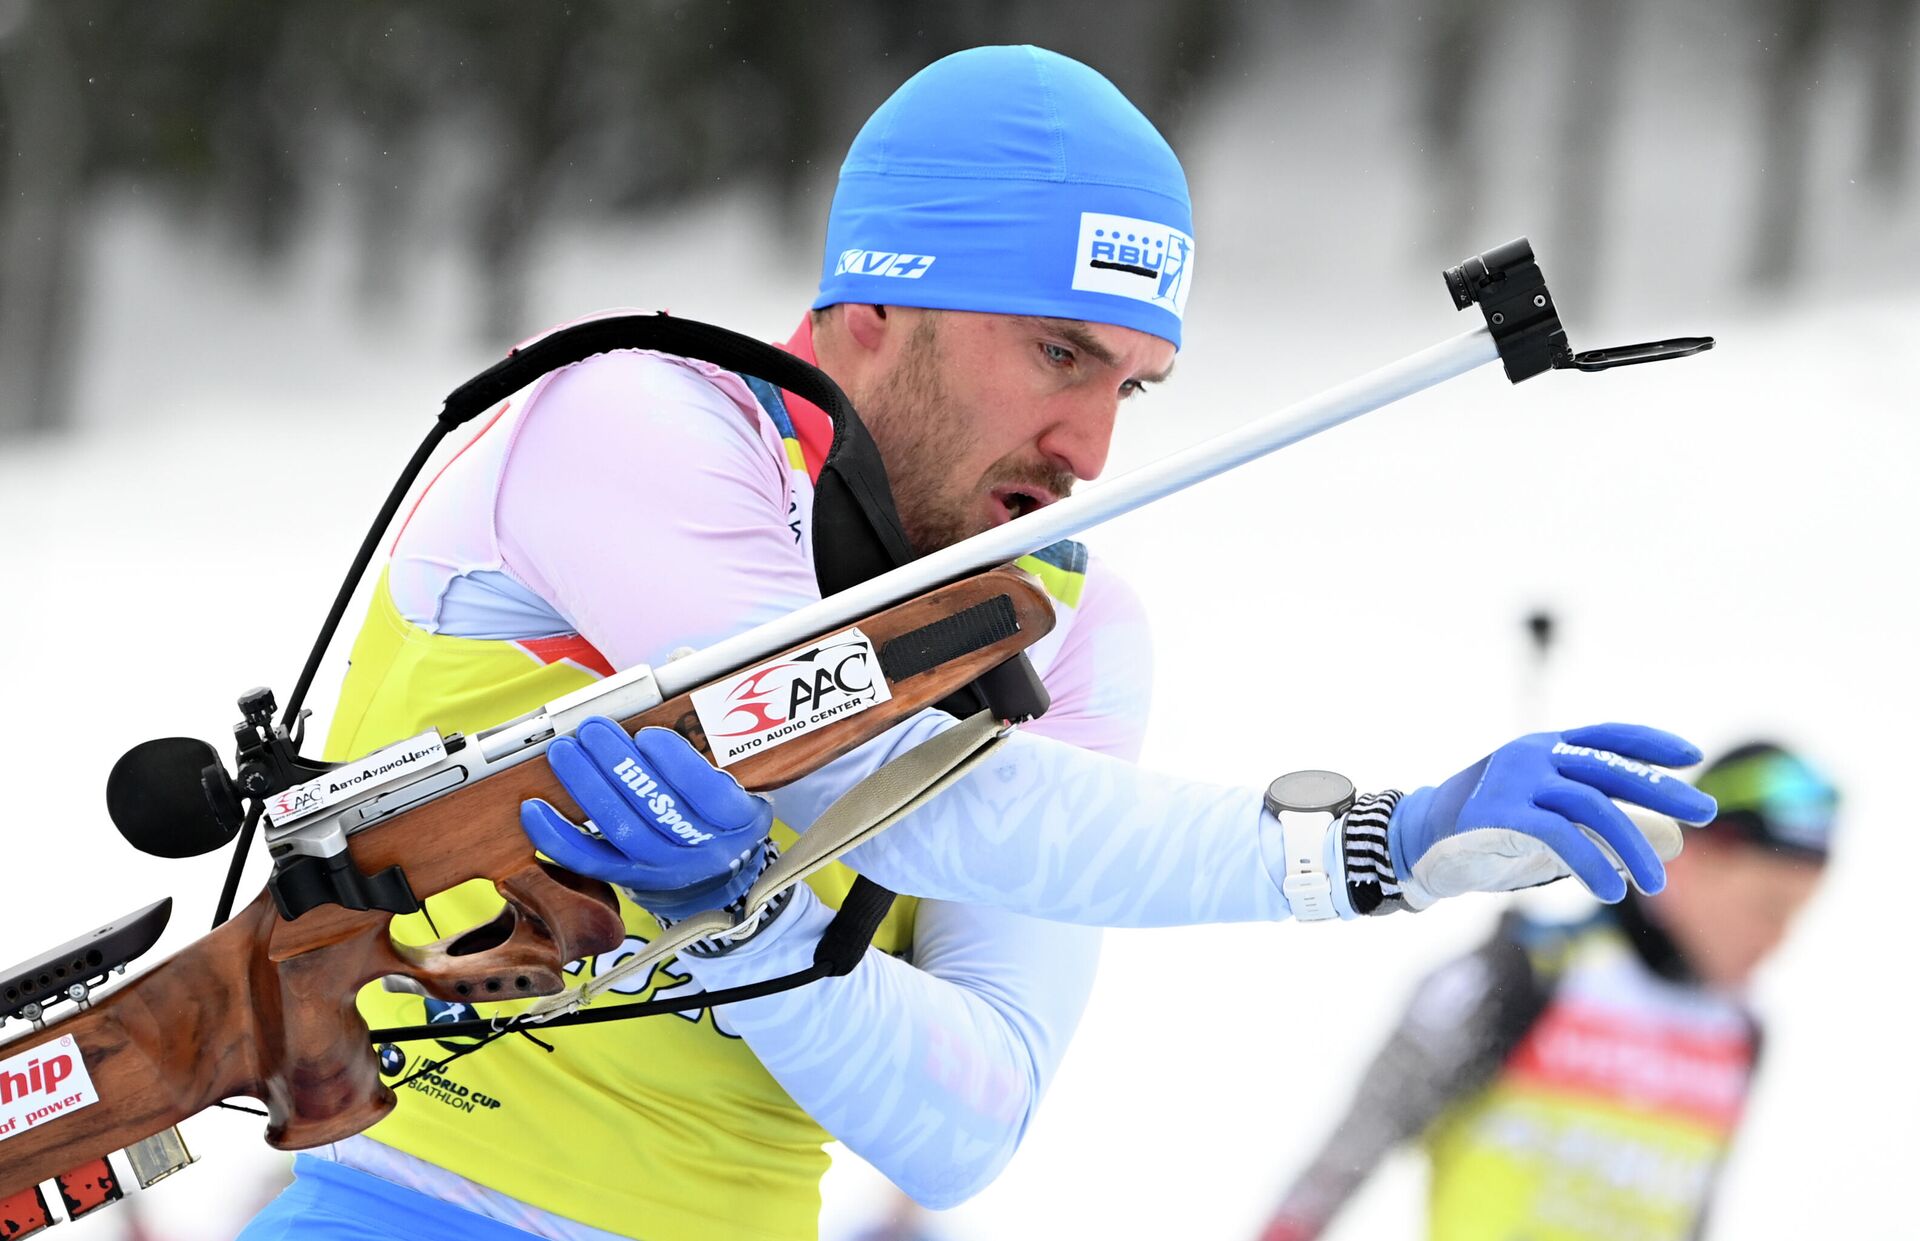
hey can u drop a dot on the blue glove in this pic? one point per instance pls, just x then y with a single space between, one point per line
680 835
1515 818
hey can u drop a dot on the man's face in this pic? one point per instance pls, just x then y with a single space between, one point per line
1728 905
983 417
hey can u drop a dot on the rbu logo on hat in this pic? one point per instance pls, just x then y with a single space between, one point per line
1134 258
883 263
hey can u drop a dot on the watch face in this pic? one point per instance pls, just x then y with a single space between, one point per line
1310 790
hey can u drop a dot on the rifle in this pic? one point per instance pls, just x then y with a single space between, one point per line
264 1005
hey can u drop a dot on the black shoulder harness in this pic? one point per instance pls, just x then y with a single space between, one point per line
857 535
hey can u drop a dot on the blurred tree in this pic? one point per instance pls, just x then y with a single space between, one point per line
1466 45
1450 65
489 120
1803 37
1796 30
489 123
1893 33
1590 116
110 94
43 116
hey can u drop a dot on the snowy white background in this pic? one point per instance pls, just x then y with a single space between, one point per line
1728 542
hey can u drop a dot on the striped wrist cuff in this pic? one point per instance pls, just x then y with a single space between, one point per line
745 927
1372 886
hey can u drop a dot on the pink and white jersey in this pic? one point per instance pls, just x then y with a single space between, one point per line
521 538
636 504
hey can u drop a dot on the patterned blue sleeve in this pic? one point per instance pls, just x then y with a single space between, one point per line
930 1071
1052 831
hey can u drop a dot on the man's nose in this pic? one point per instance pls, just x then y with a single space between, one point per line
1080 438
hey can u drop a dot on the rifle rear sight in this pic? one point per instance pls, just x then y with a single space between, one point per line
1507 284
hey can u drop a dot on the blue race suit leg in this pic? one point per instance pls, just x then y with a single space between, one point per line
328 1202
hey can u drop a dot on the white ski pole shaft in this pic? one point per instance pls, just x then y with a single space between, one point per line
1043 527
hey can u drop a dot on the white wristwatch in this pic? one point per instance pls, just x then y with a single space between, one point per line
1307 803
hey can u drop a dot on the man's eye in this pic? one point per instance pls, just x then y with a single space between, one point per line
1133 387
1056 354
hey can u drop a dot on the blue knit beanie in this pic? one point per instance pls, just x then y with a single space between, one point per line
1016 181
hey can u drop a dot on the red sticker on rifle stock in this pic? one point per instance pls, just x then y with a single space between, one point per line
775 702
43 1084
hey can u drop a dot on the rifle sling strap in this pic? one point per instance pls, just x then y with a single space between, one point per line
857 535
898 788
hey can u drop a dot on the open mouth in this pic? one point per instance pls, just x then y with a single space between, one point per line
1012 502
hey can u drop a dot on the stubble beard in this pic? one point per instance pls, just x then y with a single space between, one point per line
924 433
921 432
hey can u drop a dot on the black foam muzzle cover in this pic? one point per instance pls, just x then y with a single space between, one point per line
159 801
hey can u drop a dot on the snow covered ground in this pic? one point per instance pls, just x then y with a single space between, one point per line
1729 542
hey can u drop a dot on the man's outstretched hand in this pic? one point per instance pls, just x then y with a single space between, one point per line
1539 808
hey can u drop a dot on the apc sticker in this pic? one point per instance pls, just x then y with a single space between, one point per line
43 1084
381 767
783 698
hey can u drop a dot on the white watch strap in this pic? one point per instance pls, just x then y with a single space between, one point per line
1307 887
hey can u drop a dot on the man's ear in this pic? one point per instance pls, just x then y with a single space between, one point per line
865 325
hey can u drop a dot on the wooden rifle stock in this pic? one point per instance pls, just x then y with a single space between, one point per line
265 1007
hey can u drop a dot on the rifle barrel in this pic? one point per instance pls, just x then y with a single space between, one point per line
1043 527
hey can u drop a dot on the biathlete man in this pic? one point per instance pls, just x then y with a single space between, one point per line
1008 260
1584 1081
